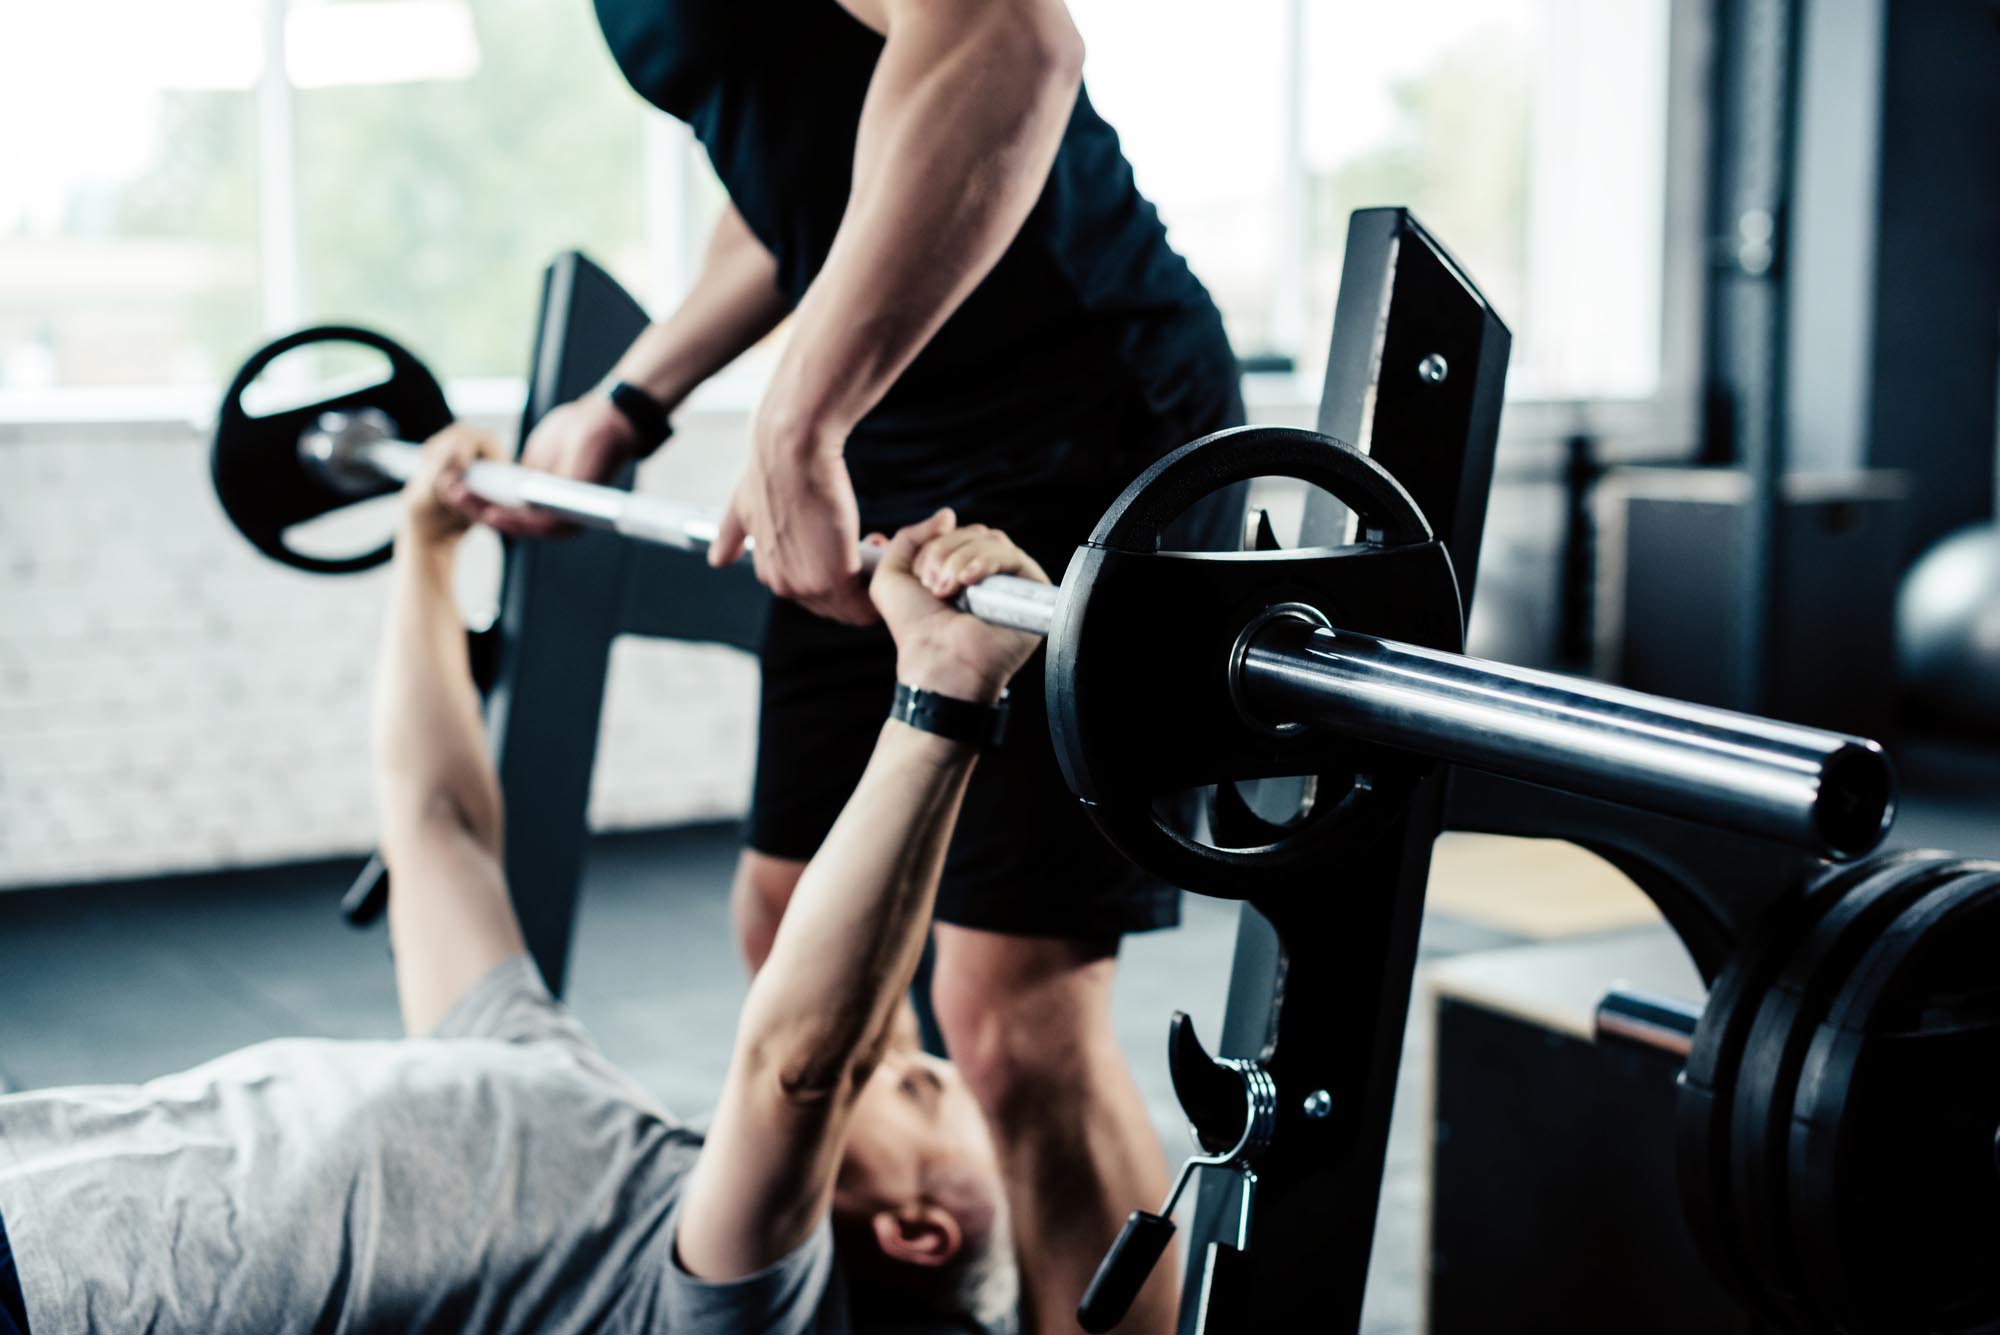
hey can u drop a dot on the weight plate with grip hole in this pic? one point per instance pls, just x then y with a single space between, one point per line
1113 676
260 477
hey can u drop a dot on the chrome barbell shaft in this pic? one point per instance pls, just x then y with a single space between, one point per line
1823 791
342 449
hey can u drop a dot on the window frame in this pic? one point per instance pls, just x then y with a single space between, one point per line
1664 425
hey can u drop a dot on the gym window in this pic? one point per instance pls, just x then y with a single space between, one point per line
240 167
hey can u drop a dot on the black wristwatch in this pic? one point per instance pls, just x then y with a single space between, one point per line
647 415
984 726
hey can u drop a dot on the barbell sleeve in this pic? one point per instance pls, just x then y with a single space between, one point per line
1826 792
1662 1024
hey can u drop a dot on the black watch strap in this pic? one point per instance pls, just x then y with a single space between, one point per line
984 726
647 415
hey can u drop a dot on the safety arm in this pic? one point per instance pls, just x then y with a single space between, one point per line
437 796
733 302
821 1010
958 131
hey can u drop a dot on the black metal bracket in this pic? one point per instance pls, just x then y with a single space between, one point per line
1320 987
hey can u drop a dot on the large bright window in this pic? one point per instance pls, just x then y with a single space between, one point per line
225 169
128 193
1530 135
428 205
181 190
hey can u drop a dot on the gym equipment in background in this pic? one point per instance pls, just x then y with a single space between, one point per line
1321 978
1948 630
1238 649
1671 544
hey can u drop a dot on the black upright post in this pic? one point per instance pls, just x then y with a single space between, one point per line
1320 987
560 608
1934 364
1755 112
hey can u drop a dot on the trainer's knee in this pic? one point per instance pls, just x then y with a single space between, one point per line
1022 1016
758 896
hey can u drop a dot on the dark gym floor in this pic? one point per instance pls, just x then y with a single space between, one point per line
124 982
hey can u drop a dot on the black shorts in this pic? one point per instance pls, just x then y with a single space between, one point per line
13 1308
1025 859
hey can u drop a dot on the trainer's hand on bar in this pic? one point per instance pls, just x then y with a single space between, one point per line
938 647
587 439
798 509
437 505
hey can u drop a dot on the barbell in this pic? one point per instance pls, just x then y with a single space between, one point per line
355 452
1170 671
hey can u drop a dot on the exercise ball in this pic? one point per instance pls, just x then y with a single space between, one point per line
1948 629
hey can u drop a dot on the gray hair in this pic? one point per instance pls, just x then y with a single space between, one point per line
987 1280
981 1285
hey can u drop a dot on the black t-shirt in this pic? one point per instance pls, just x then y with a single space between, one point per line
1088 349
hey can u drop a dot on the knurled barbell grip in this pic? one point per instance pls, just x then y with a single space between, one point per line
1827 792
346 444
1124 1270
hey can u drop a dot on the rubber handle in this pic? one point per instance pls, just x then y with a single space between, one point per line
1123 1271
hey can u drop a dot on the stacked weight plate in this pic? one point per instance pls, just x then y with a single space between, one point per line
1840 1106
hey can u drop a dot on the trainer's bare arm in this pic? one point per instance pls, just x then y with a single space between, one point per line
733 302
958 130
822 1008
437 796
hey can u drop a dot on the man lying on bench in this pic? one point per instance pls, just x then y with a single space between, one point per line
494 1172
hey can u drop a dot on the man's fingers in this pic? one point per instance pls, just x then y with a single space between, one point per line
931 561
729 537
901 555
517 523
484 512
999 556
957 570
955 560
451 489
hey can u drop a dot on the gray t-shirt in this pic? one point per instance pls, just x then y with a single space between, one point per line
499 1175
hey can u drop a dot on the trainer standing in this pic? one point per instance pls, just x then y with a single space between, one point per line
985 314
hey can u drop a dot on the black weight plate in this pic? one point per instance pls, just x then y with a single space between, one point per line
1895 1193
263 483
1141 705
1774 1049
1707 1086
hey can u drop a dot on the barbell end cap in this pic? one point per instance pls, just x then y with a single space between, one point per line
332 449
1856 803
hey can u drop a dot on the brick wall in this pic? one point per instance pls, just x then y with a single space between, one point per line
169 699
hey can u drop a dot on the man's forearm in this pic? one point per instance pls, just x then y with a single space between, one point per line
961 124
827 996
429 744
733 302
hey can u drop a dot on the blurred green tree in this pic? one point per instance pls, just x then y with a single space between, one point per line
1458 157
428 210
